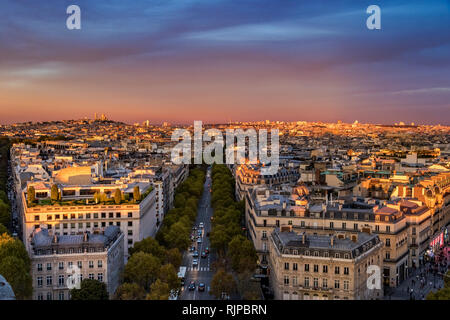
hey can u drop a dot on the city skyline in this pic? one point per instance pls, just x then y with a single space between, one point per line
218 61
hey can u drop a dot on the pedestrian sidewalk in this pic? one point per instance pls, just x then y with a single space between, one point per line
417 286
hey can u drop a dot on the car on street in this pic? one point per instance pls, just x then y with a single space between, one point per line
199 232
207 250
204 254
195 255
191 249
195 263
191 286
201 286
194 228
199 240
200 225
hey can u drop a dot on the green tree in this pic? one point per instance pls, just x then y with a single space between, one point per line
54 193
242 254
136 194
16 272
142 268
3 229
31 195
149 245
5 214
130 291
117 196
178 236
222 282
13 247
97 197
159 291
169 275
90 290
174 257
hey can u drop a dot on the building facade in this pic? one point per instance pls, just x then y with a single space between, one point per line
313 267
59 262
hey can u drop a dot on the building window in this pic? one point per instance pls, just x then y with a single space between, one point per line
61 281
306 281
388 255
325 269
325 283
49 280
336 284
294 280
39 267
331 225
49 266
265 223
130 223
346 270
307 267
117 214
388 242
355 226
344 225
286 266
91 264
130 214
316 282
316 268
337 255
49 296
377 228
91 276
286 280
302 224
100 263
61 295
294 266
80 264
388 229
100 277
336 270
40 296
39 282
346 284
103 215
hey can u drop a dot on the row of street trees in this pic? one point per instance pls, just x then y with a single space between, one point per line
236 252
5 212
14 261
152 269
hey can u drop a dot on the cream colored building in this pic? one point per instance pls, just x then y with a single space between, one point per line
267 209
313 267
55 258
74 215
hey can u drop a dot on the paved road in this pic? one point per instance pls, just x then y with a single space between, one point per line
203 272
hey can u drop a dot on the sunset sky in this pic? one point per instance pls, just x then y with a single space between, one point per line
221 60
